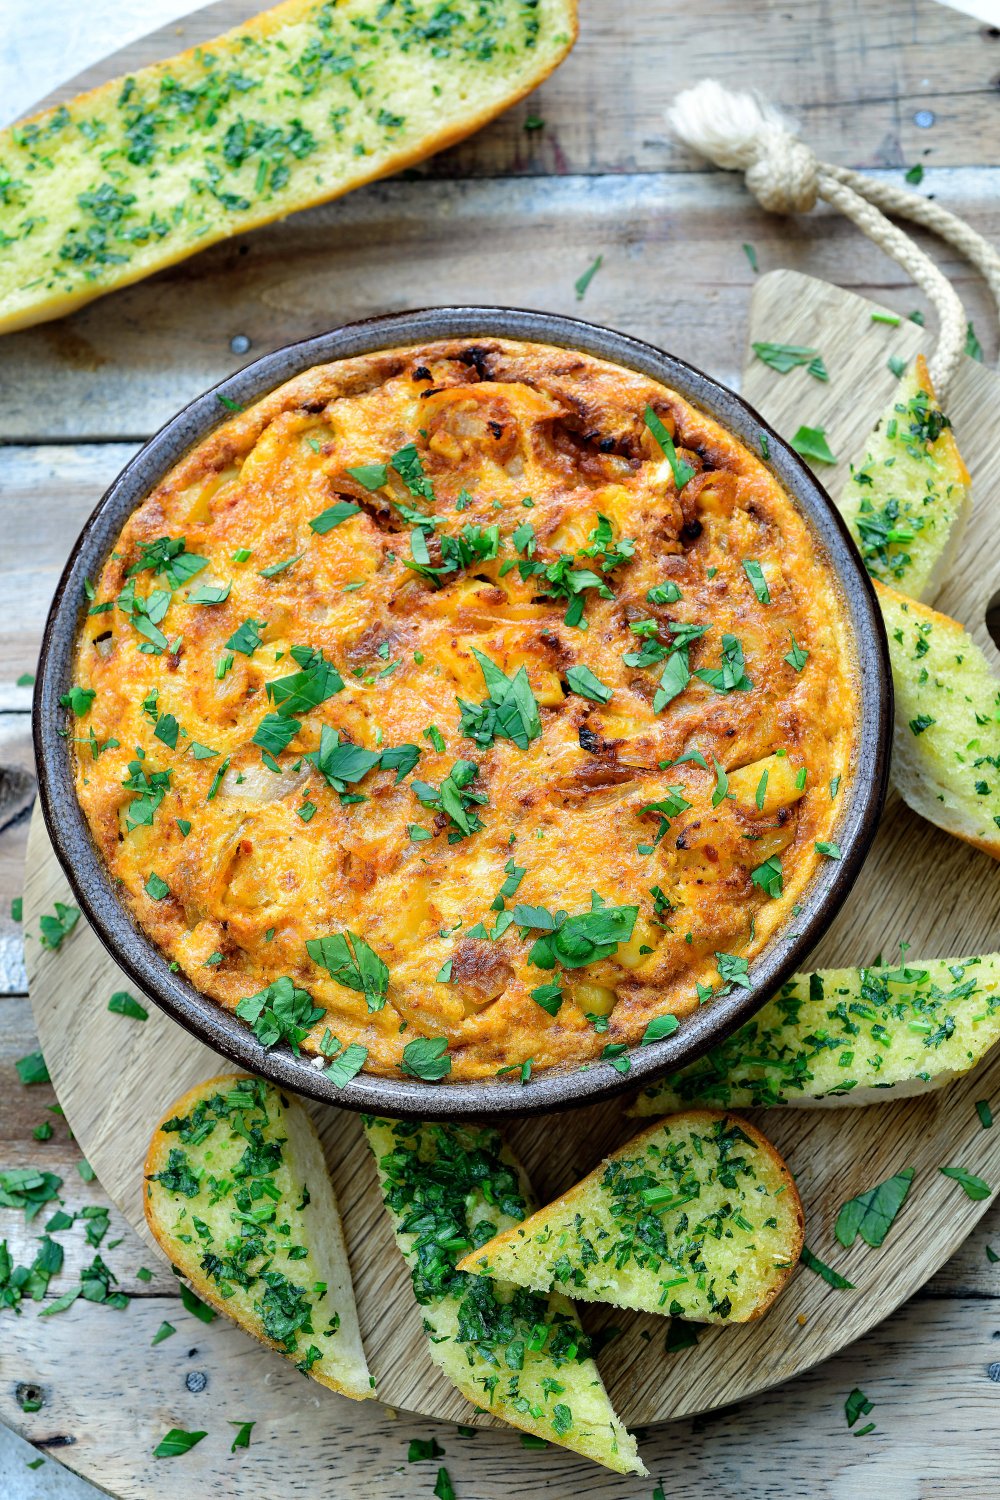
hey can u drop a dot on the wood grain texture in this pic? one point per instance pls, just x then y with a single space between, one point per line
856 74
673 273
935 1438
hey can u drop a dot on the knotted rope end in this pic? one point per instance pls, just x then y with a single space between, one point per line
741 132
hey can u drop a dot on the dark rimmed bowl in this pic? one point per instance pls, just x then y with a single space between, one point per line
862 798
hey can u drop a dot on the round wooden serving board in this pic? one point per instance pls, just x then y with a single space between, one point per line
115 1077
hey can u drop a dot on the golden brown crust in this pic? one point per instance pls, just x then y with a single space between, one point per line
501 421
347 1379
695 1121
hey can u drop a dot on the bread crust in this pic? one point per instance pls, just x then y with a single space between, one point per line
60 304
577 1196
354 1382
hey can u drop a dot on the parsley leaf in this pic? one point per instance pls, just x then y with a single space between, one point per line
584 939
347 1064
426 1057
681 471
280 1011
177 1441
509 713
124 1004
830 1276
247 637
871 1213
53 929
797 657
455 798
360 969
755 573
333 516
785 357
581 680
811 442
658 1028
975 1187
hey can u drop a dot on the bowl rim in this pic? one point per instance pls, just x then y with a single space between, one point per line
403 1097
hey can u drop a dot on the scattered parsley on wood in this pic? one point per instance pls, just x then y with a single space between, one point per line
124 1004
582 283
423 1448
32 1069
751 255
858 1405
829 1275
871 1214
975 1188
810 442
786 357
242 1438
985 1114
177 1441
195 1306
54 928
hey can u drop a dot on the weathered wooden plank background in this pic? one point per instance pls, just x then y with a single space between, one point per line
511 216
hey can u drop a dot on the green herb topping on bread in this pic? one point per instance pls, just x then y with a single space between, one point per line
848 1036
519 1354
295 107
698 1217
238 1197
946 739
906 502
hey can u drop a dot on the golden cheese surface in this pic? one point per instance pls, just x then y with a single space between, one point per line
490 694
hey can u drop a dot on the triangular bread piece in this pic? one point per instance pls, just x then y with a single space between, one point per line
518 1355
847 1036
946 740
238 1196
697 1218
907 501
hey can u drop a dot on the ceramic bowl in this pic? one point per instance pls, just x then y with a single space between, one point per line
862 798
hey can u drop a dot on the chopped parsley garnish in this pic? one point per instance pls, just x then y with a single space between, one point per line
352 962
426 1057
177 1440
975 1188
577 941
664 593
755 573
280 1011
247 637
681 471
658 1028
582 681
279 567
549 996
346 1065
797 657
242 1438
79 700
810 442
209 594
302 691
871 1213
124 1004
168 555
334 515
857 1405
581 283
785 357
32 1069
832 851
985 1114
53 929
473 545
156 887
768 876
455 797
731 676
829 1275
733 969
510 712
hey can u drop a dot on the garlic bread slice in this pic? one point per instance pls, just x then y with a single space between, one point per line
520 1355
906 503
293 107
697 1217
847 1036
239 1198
946 738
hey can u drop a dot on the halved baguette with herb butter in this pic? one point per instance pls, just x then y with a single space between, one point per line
521 1356
946 739
293 108
847 1036
907 501
697 1217
238 1197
